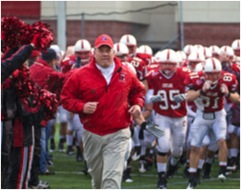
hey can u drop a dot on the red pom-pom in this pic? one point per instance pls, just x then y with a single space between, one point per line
46 35
12 31
49 102
15 33
54 83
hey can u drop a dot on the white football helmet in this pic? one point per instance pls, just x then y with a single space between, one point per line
199 67
236 47
215 50
227 50
199 48
212 69
188 49
82 50
121 51
145 49
168 61
82 45
236 44
195 58
128 39
207 52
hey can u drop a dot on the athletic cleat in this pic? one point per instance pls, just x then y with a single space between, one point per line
142 168
222 177
171 170
61 147
135 156
85 169
127 176
52 145
137 153
70 151
190 186
207 170
232 164
193 181
185 173
41 185
162 181
79 156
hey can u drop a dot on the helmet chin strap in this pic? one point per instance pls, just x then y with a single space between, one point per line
84 60
167 73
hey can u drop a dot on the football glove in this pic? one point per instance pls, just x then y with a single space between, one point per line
153 129
156 98
179 98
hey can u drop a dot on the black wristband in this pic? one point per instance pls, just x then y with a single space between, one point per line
143 125
201 91
228 95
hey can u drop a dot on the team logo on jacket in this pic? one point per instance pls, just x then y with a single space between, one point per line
122 77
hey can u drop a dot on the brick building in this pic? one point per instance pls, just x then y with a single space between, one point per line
156 23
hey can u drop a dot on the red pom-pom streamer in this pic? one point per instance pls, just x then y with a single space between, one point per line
15 33
12 31
55 83
46 35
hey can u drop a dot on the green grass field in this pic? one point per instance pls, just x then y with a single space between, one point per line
69 176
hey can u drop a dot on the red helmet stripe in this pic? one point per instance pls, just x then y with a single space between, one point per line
205 51
118 47
225 49
82 44
127 38
198 57
214 65
168 54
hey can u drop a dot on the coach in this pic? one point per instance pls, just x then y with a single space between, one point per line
105 94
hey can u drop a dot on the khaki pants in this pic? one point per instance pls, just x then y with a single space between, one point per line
105 157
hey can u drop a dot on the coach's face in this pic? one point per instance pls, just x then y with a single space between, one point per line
104 56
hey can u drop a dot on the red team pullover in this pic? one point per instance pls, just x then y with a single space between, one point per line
213 99
40 71
87 84
167 88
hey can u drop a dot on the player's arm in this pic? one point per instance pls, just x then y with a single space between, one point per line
191 95
234 97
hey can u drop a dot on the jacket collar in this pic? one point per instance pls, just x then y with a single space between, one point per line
117 62
42 62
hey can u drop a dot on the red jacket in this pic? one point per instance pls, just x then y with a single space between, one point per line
40 71
87 84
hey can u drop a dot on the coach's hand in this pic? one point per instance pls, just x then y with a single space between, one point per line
90 107
135 111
